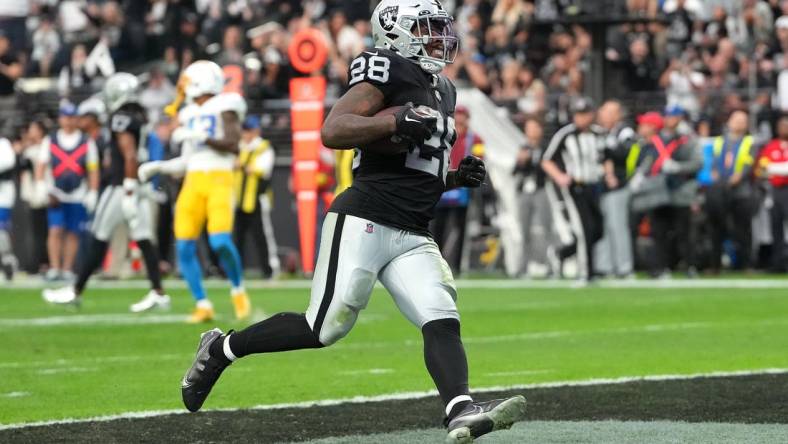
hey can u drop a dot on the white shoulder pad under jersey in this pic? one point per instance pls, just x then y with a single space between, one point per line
227 102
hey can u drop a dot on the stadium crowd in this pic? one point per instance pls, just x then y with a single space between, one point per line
682 167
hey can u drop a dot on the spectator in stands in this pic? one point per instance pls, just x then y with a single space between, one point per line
157 94
532 101
730 200
675 157
470 65
682 84
345 39
68 177
535 217
640 68
754 22
510 12
773 162
508 87
573 162
76 77
232 47
11 68
448 227
679 30
613 253
46 43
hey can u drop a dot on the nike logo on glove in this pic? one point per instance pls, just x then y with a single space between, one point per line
408 119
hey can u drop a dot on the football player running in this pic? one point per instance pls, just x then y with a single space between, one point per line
124 199
209 134
377 228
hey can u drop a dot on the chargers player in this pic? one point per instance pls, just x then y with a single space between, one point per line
209 133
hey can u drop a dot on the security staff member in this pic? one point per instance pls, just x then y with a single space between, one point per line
253 210
573 162
673 155
730 200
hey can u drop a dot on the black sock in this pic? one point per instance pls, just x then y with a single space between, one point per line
445 359
151 263
280 332
95 254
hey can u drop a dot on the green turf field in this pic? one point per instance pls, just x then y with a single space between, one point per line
101 360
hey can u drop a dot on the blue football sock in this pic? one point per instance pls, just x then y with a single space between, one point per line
223 245
190 266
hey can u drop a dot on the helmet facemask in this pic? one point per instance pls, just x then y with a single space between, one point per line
433 42
421 32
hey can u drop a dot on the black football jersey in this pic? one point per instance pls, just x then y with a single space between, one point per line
129 118
401 190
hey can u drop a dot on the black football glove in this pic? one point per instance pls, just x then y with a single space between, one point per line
414 124
470 172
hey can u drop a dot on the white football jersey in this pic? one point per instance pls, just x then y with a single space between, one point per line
208 116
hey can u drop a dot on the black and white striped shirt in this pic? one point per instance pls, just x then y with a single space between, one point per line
578 153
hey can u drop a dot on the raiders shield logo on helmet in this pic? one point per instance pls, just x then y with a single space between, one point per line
388 17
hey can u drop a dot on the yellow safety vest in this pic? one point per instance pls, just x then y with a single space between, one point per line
632 159
247 186
743 156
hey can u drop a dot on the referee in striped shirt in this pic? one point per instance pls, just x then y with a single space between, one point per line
574 163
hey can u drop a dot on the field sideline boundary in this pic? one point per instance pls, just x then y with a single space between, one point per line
405 396
302 284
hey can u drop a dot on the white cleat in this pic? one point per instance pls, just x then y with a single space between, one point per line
61 296
150 301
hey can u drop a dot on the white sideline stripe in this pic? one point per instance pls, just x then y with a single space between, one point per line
369 371
405 396
15 394
300 284
56 371
520 373
106 359
97 319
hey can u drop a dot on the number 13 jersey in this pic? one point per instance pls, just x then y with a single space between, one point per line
208 118
401 190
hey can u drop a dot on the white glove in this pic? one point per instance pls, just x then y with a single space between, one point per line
148 169
183 134
636 182
148 192
90 200
670 166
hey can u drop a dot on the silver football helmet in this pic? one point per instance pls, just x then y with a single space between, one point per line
120 89
420 30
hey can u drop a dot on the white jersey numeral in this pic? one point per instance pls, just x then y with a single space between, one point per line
377 70
440 140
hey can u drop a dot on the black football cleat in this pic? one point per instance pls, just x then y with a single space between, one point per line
203 374
480 418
